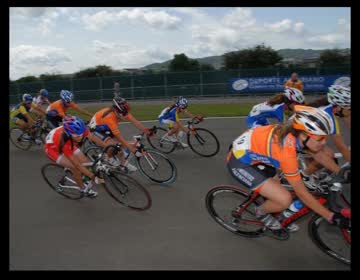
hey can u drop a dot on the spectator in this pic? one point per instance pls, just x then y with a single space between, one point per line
117 89
295 82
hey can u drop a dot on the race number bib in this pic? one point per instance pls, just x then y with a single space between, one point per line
92 123
50 137
243 142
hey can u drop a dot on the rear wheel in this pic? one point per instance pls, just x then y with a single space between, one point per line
332 240
61 180
157 142
20 139
223 203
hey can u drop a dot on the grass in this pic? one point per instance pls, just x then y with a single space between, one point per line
151 112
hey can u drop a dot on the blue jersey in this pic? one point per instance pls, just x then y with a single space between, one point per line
167 114
260 114
329 109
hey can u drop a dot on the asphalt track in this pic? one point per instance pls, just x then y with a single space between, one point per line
48 231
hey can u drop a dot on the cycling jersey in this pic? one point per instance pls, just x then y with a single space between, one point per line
260 114
52 143
39 100
102 123
330 110
298 84
58 108
20 110
260 145
167 114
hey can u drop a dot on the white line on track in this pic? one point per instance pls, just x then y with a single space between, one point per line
209 118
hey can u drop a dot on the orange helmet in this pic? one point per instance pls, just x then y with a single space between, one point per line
313 121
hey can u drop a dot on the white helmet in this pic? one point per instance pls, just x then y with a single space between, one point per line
294 95
340 96
312 120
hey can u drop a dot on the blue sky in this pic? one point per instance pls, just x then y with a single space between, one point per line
65 40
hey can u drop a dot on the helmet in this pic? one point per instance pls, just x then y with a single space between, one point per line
44 92
73 125
27 97
340 96
66 96
181 102
121 105
312 120
294 95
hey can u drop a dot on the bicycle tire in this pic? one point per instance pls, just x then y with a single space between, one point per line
55 186
199 137
153 157
240 192
16 140
154 141
92 152
314 225
118 184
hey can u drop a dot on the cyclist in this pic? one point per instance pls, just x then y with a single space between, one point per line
42 98
257 153
20 116
62 146
275 107
105 123
56 110
170 116
337 104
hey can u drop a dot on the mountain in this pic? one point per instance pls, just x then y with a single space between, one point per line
217 61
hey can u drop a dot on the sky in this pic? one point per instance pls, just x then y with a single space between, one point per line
66 40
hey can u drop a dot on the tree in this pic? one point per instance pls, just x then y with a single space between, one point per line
27 79
333 57
51 77
259 56
100 70
206 67
181 62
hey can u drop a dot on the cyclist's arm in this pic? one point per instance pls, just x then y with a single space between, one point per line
188 114
309 200
125 143
182 127
97 141
40 111
80 167
347 121
83 111
135 122
28 117
327 161
340 144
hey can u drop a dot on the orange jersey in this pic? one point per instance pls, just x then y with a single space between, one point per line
60 108
298 84
109 120
260 145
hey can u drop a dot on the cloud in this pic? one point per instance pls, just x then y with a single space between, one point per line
299 27
154 19
327 40
281 26
29 12
239 18
341 21
37 59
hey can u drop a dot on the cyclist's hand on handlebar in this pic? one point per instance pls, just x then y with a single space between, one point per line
339 220
199 117
345 173
98 180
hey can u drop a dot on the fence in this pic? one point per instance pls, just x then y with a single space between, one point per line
164 85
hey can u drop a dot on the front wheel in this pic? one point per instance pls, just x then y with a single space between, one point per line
223 204
127 191
157 167
332 240
203 142
20 139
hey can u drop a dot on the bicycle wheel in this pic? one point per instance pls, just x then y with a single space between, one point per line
127 191
61 180
332 240
223 201
157 167
18 138
160 144
92 152
203 142
43 133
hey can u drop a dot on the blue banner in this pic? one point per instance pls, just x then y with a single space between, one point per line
276 83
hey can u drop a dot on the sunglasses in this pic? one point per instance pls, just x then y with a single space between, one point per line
77 135
317 138
28 103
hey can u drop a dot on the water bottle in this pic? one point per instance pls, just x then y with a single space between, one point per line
293 208
126 152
